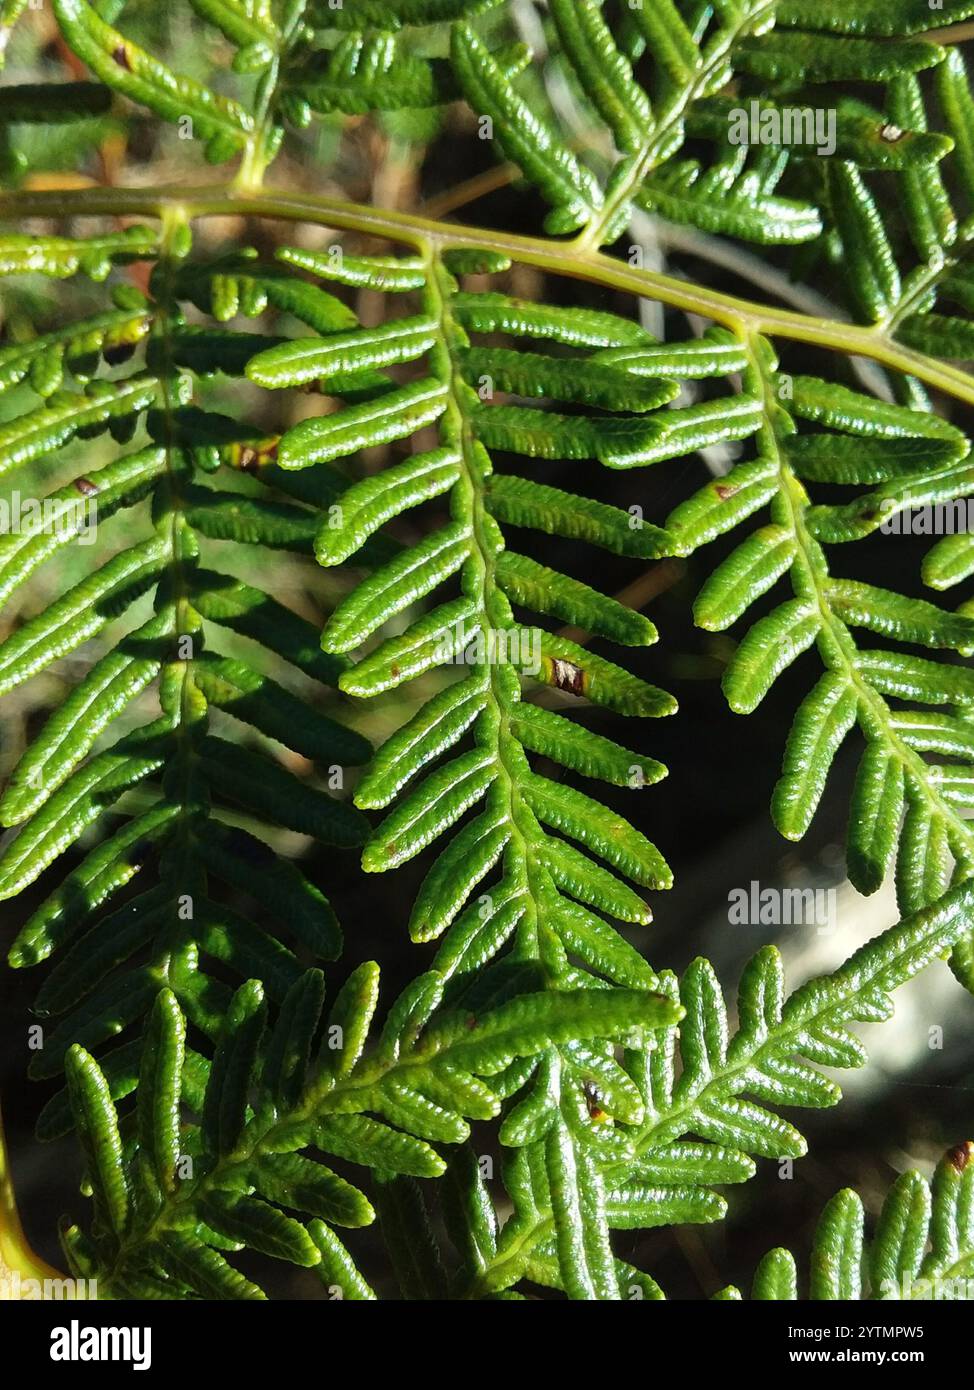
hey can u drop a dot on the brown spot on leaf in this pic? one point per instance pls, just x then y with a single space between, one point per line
723 491
121 56
249 458
565 675
86 487
960 1155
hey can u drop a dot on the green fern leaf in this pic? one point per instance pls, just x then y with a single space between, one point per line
897 1264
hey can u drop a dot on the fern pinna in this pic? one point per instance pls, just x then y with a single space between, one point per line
896 1264
208 1084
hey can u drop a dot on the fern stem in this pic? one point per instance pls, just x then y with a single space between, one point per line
16 1255
558 257
258 153
180 855
265 141
520 864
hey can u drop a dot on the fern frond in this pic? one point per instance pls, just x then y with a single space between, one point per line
710 1101
524 836
172 1196
135 906
753 188
308 59
486 701
903 807
371 71
223 123
203 1125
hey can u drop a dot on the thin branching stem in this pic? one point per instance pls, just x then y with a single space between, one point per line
568 258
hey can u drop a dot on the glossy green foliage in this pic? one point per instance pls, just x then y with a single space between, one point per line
526 862
478 632
483 894
603 1145
922 1246
307 58
910 796
371 71
209 1111
61 257
224 124
874 18
145 804
222 1155
910 270
655 81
